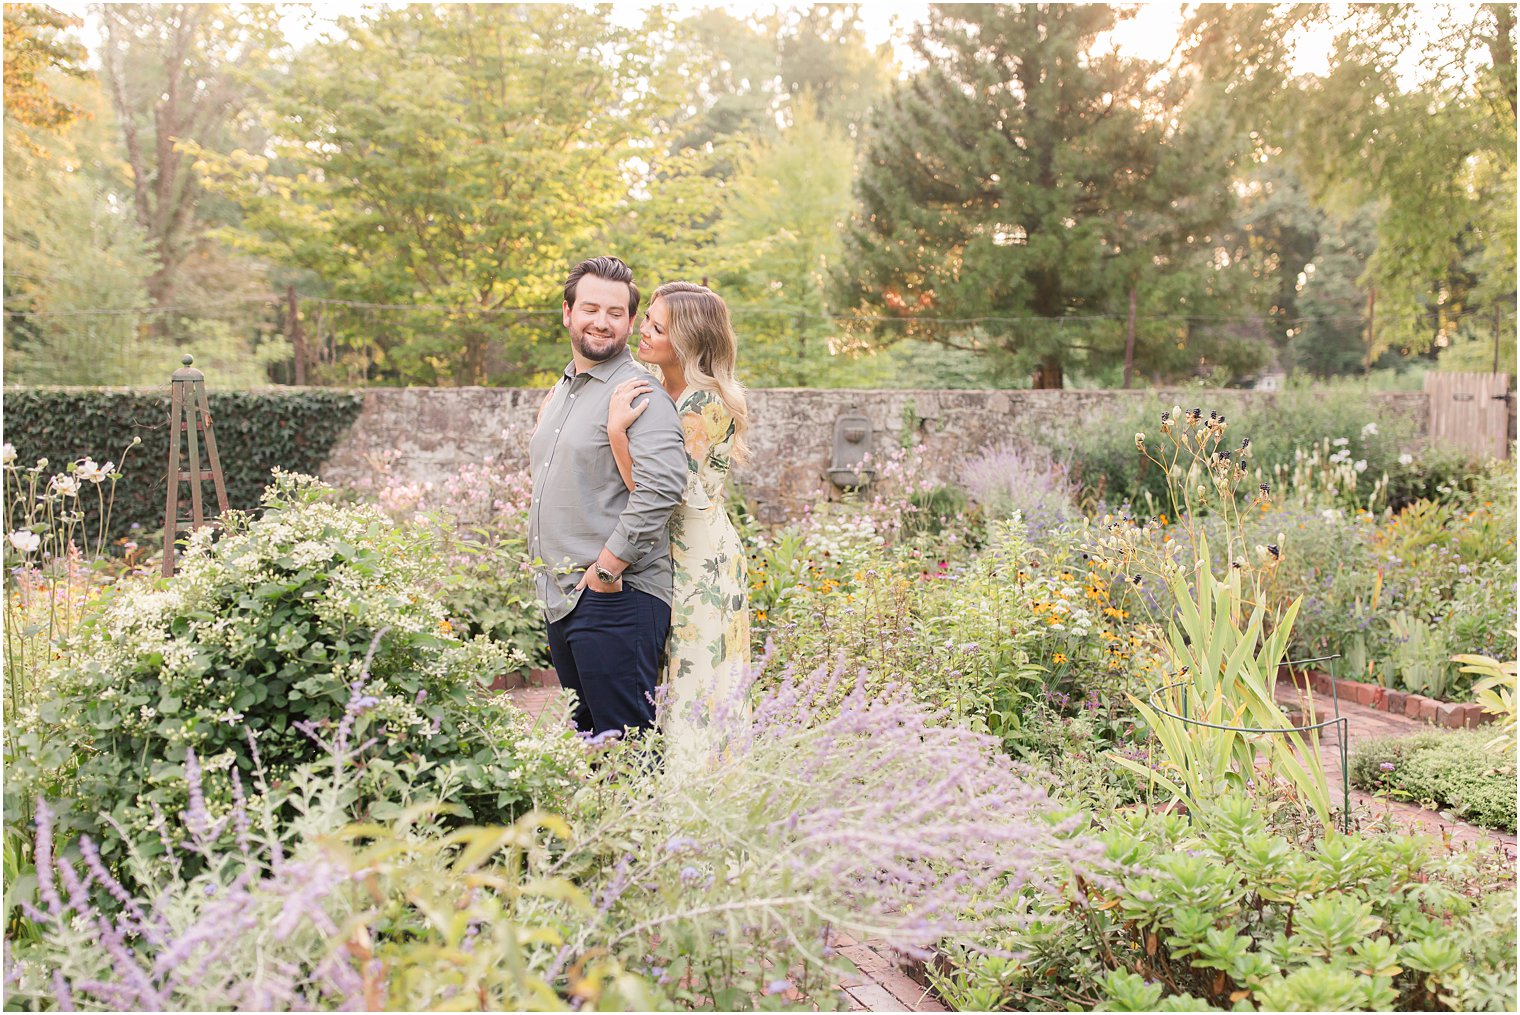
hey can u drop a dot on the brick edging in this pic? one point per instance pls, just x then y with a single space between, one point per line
1451 714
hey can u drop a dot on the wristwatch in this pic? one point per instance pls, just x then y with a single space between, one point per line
605 576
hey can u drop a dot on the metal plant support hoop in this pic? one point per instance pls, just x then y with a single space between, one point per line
1339 720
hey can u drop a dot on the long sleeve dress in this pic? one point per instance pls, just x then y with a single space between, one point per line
709 627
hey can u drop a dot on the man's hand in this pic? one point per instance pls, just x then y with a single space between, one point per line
590 582
609 563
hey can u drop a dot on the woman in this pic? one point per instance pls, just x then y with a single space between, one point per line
687 339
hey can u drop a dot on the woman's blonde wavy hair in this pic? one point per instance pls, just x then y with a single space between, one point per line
704 342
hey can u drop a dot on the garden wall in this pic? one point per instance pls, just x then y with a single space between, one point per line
427 432
432 430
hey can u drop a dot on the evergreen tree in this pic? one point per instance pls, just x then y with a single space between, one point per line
1029 182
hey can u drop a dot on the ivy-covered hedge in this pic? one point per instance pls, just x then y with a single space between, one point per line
255 432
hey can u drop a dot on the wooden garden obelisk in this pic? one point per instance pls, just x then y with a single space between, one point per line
189 414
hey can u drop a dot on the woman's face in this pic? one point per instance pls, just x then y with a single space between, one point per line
654 336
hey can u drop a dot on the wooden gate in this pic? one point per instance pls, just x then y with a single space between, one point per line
1470 411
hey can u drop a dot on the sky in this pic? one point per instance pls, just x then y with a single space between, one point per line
1150 34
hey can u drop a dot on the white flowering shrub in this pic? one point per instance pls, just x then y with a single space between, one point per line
270 634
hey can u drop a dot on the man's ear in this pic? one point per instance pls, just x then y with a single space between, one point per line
565 312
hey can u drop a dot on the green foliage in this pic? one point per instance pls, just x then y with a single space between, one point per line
314 617
36 48
256 432
1018 180
1433 151
183 79
1221 911
513 125
1452 770
1102 455
1332 339
336 915
478 521
1495 691
76 259
987 639
780 228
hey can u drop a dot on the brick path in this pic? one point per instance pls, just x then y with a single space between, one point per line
1364 723
884 983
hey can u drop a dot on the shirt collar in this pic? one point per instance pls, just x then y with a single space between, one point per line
603 370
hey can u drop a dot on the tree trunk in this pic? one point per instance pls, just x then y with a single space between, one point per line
297 338
1048 375
1129 338
475 358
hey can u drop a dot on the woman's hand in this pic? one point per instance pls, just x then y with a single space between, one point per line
621 412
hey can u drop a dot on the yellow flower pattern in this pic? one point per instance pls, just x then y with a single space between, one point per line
709 641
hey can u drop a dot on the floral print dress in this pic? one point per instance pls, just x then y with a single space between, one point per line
709 624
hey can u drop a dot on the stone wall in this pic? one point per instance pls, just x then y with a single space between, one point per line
426 432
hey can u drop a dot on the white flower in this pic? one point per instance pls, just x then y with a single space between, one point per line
1341 442
1361 465
1370 430
25 541
1406 459
7 454
66 485
1331 514
89 472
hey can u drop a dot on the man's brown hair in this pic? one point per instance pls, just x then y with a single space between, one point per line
610 268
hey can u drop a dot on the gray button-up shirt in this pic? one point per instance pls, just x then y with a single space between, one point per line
579 500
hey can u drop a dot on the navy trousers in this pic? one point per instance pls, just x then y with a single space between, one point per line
608 652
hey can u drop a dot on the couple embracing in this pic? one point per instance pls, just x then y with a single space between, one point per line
640 572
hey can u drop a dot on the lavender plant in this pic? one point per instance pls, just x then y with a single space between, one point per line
835 810
1006 478
256 912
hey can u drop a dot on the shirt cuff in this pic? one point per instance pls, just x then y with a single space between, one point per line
623 548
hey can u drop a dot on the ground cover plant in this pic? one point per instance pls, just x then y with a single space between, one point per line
1458 771
1220 910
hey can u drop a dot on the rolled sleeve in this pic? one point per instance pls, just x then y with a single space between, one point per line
658 450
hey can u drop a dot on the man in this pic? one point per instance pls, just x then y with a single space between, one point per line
604 572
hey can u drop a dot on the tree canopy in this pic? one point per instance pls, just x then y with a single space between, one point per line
1011 197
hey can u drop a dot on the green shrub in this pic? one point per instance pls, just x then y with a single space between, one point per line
256 433
1446 769
1221 912
278 631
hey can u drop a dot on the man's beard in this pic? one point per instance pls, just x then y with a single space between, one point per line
584 348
